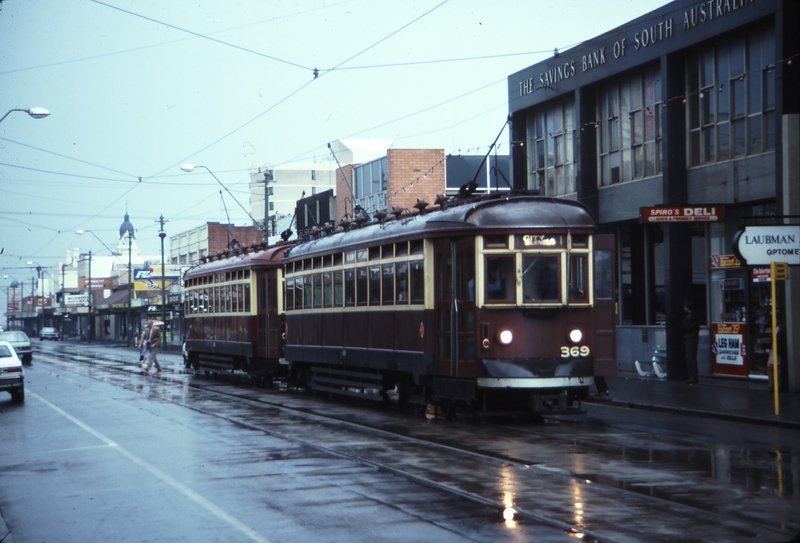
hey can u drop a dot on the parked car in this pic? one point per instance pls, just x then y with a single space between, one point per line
21 343
49 333
12 376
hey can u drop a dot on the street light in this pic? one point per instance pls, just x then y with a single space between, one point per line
16 285
162 234
91 319
41 287
35 112
81 232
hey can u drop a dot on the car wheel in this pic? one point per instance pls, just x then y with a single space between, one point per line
18 396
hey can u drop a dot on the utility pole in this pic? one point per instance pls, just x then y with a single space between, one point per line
267 180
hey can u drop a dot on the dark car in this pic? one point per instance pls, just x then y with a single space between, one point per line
21 343
49 333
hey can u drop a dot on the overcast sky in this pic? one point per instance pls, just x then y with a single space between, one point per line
136 89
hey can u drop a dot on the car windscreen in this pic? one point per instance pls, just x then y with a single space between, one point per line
12 336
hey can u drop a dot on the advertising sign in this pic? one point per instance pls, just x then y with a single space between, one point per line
683 214
716 261
760 245
168 270
728 350
76 299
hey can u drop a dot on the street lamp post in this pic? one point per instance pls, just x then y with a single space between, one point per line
16 285
35 112
130 287
40 303
162 234
89 288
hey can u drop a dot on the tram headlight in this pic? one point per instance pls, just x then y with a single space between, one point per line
575 335
505 336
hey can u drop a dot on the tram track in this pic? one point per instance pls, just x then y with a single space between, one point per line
542 493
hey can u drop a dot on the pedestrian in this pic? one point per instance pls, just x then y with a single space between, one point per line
601 386
691 335
153 340
144 351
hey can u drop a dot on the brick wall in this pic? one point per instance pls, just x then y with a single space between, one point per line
218 236
419 171
343 196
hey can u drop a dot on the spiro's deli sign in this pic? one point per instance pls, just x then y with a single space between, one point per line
683 214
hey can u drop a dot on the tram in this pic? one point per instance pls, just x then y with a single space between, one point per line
234 317
503 302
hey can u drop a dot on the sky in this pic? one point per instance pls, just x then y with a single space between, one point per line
138 88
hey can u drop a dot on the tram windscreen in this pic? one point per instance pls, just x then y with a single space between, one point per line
500 278
540 279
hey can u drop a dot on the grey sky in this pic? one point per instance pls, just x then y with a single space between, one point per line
136 89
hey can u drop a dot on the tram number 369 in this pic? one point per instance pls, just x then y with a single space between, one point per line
567 352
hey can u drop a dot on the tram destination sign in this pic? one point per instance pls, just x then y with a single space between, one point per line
760 245
683 214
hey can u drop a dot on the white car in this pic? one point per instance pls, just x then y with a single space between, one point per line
12 376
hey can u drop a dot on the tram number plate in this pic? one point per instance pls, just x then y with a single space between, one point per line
567 352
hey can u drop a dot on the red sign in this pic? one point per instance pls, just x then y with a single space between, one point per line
728 350
723 261
683 214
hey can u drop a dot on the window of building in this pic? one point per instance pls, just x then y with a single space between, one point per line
371 184
730 98
629 131
551 160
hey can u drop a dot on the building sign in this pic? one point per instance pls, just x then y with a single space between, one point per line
760 245
98 283
76 299
762 275
150 284
673 27
683 214
728 351
723 261
168 271
13 306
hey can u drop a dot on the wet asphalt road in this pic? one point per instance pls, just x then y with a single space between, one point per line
100 453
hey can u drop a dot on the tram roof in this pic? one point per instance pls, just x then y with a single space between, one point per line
260 258
507 213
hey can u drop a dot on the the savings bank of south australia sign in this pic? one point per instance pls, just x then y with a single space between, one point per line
760 245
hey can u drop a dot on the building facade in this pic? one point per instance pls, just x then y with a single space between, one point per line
688 110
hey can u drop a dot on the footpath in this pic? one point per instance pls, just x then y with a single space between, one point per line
713 397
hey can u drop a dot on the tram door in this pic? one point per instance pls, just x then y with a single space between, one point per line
267 314
605 306
455 307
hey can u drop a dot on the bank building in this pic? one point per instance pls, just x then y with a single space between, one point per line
679 130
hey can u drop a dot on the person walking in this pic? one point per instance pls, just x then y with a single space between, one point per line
691 336
153 339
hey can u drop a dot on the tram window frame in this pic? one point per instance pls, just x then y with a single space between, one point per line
374 285
578 285
362 286
337 259
298 292
387 284
374 253
350 257
534 282
500 278
416 282
307 292
338 286
288 295
401 283
327 289
495 242
234 297
362 255
350 287
387 251
317 290
579 241
417 247
401 249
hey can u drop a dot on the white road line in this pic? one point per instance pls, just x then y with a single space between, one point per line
189 493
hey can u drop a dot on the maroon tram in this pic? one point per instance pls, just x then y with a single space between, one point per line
496 303
233 314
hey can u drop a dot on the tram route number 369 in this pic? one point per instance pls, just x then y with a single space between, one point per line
576 351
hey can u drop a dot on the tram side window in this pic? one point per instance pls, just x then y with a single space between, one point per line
289 297
402 283
337 289
500 278
388 284
361 286
603 279
317 278
247 298
307 286
417 282
350 288
578 279
375 285
327 289
540 279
